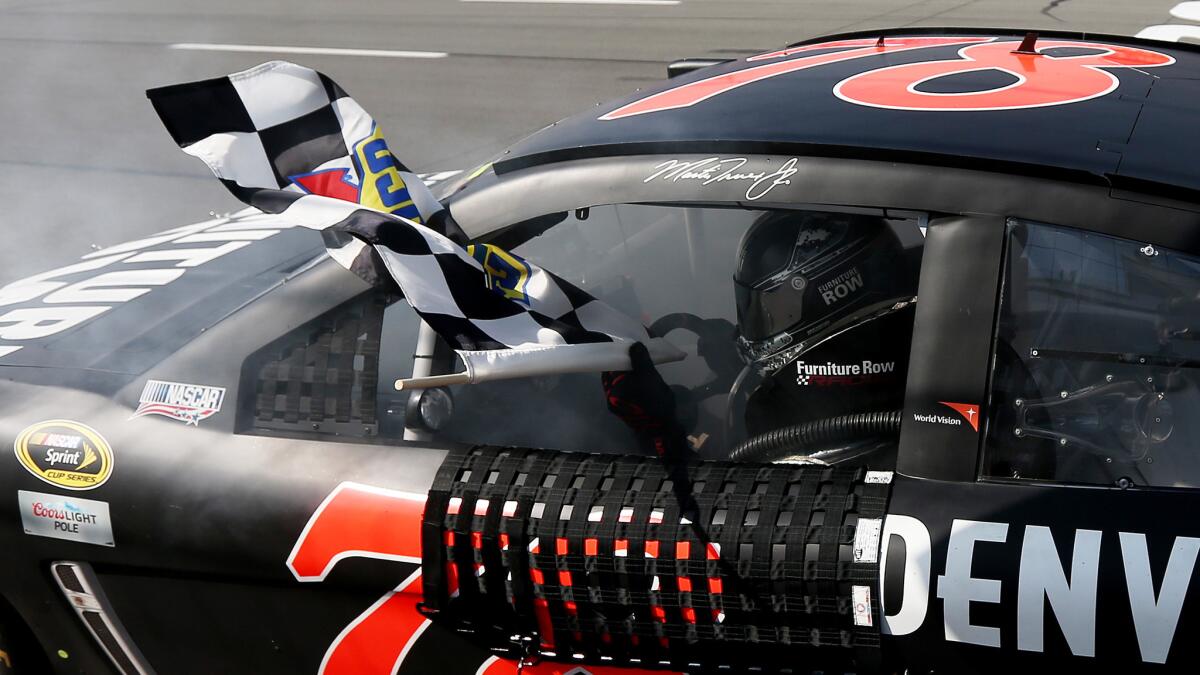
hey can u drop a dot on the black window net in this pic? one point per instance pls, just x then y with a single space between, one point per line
323 376
632 561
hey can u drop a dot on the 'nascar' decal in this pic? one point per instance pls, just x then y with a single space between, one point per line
66 454
70 518
188 403
1043 79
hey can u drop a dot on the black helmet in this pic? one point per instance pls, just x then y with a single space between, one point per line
802 277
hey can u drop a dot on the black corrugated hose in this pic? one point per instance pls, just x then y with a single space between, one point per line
811 435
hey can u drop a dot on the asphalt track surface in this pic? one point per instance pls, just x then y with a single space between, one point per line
85 163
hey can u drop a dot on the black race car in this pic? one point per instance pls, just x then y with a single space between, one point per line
934 293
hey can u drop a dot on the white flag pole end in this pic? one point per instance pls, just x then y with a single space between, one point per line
432 381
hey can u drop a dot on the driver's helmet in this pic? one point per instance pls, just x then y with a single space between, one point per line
804 277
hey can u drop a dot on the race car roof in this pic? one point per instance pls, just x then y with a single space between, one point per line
1092 108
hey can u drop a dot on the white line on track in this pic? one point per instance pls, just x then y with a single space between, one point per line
279 49
1176 32
1188 11
583 2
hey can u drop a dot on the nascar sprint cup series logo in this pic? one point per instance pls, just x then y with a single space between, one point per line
188 403
66 454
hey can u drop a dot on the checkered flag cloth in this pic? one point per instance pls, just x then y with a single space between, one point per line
280 126
288 140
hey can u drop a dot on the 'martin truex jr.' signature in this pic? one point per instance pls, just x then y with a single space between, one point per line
716 170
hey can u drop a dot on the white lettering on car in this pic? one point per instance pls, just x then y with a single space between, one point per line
914 600
1155 619
54 457
959 589
38 285
31 323
65 304
1041 577
111 287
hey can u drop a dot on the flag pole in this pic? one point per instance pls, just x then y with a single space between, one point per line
432 381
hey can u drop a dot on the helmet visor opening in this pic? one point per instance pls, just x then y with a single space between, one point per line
765 312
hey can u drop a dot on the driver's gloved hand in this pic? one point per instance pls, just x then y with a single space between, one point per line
645 402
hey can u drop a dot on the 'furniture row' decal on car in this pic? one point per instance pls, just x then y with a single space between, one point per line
188 403
1043 79
61 517
830 374
66 454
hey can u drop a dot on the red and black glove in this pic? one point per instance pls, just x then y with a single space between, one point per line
645 402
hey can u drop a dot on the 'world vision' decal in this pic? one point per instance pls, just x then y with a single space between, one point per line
1044 78
969 413
67 454
380 186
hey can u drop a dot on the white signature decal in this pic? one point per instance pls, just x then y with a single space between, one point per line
716 170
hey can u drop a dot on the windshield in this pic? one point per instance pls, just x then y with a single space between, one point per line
669 267
672 268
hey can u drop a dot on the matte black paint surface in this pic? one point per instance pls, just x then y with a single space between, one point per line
955 314
799 109
1160 515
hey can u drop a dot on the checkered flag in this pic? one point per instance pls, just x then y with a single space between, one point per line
282 127
288 140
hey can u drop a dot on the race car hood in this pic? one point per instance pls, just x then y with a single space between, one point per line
118 311
910 95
